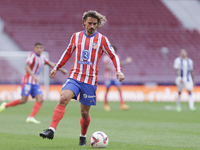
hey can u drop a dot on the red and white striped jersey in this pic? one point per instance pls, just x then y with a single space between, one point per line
109 74
88 51
36 64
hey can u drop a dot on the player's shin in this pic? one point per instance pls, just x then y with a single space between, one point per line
35 109
191 101
12 103
85 122
58 114
178 103
105 99
121 98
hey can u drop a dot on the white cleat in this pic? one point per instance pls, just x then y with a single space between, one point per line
3 106
106 107
32 120
124 107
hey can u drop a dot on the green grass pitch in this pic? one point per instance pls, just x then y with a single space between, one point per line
146 126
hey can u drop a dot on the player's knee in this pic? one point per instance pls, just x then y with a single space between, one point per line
84 113
63 100
23 101
40 100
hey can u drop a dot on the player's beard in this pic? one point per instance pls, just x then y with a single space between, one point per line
91 30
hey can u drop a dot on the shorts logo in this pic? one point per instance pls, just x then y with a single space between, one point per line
91 96
85 54
65 83
85 95
27 87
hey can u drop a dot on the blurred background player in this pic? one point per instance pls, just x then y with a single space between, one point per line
184 71
110 79
30 82
88 46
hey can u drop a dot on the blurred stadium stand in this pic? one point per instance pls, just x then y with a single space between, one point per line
138 28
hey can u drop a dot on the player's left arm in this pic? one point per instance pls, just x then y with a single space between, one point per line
108 49
192 75
191 72
52 65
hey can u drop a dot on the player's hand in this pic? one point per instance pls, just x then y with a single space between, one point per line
120 76
35 78
179 80
53 73
128 60
182 81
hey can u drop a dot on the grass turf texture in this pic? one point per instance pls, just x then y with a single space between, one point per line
146 126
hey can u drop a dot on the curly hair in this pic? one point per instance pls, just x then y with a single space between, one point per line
94 14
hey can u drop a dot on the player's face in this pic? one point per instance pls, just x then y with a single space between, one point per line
183 54
90 25
38 49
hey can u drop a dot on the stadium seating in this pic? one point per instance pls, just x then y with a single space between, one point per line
138 28
8 73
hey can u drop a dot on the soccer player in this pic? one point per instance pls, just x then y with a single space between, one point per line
30 82
110 79
184 78
88 45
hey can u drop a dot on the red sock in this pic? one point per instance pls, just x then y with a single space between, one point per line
58 114
85 122
105 99
12 103
35 109
121 99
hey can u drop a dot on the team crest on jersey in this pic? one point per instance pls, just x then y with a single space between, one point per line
86 54
95 45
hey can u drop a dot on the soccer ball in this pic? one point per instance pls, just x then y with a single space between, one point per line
99 139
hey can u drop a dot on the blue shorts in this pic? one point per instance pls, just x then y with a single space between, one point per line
87 91
109 82
33 89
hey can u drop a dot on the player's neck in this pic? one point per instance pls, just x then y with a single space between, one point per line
37 54
88 34
183 58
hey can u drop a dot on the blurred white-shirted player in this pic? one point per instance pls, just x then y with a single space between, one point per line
185 79
110 79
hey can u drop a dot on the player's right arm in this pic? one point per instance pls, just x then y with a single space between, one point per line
191 71
176 69
126 61
176 66
29 61
65 56
28 69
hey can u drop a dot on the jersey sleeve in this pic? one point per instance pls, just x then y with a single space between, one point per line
46 60
108 49
30 58
176 63
67 53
